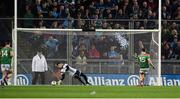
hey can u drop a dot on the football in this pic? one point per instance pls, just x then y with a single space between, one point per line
53 83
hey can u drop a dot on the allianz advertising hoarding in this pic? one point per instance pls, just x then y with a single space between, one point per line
131 80
113 79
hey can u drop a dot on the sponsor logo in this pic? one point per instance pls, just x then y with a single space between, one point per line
165 81
22 80
133 80
96 80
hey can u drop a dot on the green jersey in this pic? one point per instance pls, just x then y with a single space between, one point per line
143 60
5 55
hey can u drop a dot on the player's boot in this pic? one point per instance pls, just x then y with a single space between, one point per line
2 84
141 83
88 84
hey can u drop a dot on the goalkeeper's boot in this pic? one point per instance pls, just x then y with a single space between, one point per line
88 84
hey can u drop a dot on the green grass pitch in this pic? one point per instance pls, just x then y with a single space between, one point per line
89 92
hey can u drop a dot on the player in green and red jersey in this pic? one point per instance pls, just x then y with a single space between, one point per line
144 62
6 54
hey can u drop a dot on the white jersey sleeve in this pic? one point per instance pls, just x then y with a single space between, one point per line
66 68
63 70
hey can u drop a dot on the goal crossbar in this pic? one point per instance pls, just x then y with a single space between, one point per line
96 30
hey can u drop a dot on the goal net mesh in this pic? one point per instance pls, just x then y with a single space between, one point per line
97 54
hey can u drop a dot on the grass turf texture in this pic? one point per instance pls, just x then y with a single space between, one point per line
89 92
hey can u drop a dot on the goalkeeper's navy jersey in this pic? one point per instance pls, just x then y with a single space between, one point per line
68 69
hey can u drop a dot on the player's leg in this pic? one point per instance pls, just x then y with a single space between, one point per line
85 78
62 77
42 75
4 77
35 78
146 77
57 75
9 74
77 76
141 78
4 74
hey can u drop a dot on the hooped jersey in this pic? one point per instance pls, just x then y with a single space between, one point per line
68 69
143 60
5 55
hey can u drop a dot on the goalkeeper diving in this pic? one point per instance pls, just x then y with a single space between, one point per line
74 73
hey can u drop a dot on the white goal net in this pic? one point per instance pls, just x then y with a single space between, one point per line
105 56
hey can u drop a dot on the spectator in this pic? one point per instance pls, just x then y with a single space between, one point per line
39 67
144 10
165 13
81 58
55 14
165 50
102 9
41 24
135 8
28 23
112 53
102 46
52 46
152 4
55 24
177 14
93 52
82 47
177 50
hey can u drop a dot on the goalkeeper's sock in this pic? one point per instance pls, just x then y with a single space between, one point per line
77 77
85 78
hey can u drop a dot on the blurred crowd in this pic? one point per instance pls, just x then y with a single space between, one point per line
106 14
170 29
86 46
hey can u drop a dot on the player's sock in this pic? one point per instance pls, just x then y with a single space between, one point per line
63 76
5 81
85 78
77 77
141 83
2 82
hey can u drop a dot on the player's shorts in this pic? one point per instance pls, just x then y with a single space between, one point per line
5 67
77 73
144 70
